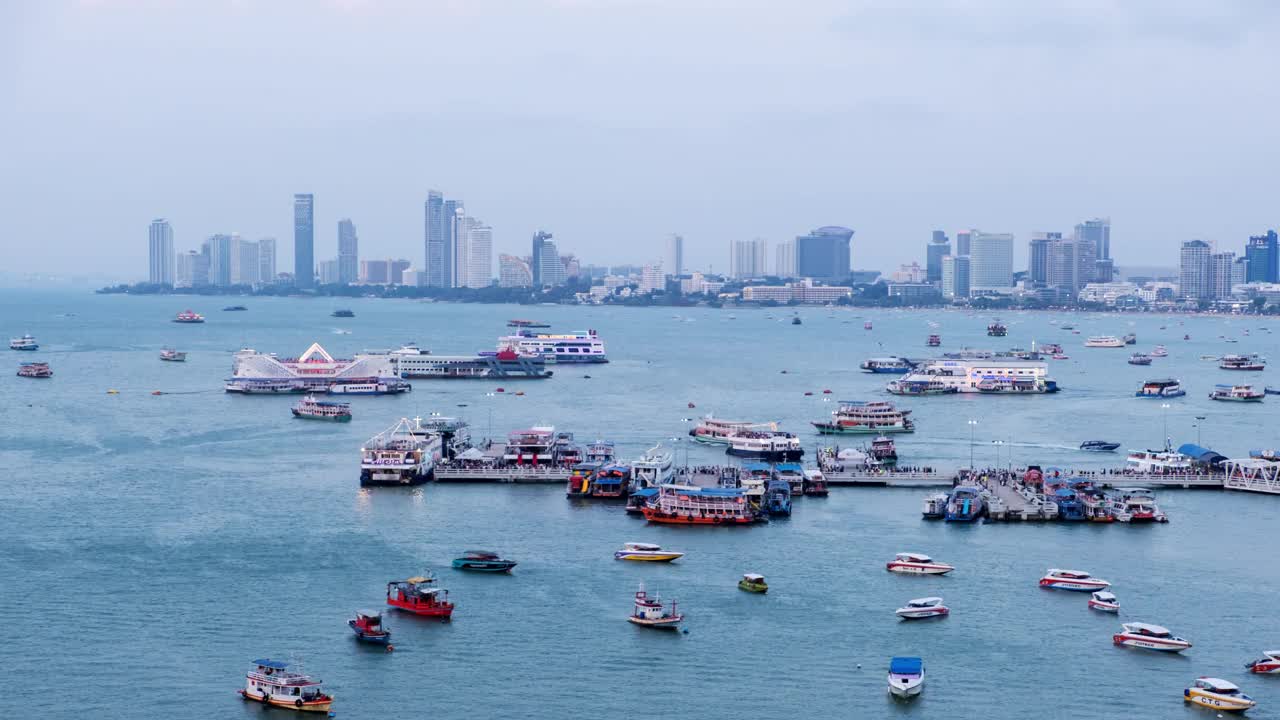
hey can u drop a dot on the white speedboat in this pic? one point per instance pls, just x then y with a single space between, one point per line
1104 601
26 342
1076 580
906 676
1160 351
917 564
1268 664
1149 637
1217 694
923 608
645 552
1104 341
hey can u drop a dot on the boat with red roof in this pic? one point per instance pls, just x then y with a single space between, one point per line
420 596
272 682
188 317
367 625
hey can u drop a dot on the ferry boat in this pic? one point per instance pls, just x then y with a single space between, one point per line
1161 388
368 627
420 596
1149 637
815 483
714 431
271 682
921 608
906 676
38 370
403 454
995 329
777 497
935 507
483 561
577 347
887 365
342 314
1268 664
1130 339
188 317
983 375
581 477
26 342
1104 341
528 324
790 473
311 409
1075 580
171 355
1217 694
877 417
1137 505
412 362
965 504
315 371
912 563
1104 601
1158 461
883 451
1139 359
654 469
601 451
1236 393
689 505
645 552
1159 351
650 613
934 341
1099 446
771 446
1242 362
753 582
919 387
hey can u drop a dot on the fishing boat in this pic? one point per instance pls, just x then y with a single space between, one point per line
1159 351
856 417
26 343
1242 362
1268 664
965 504
271 682
935 507
420 596
483 561
1104 601
1161 388
815 483
690 505
1217 694
188 317
171 355
310 408
1236 393
1104 341
1149 637
1099 446
650 613
714 431
934 341
753 582
39 370
912 563
342 314
1130 339
645 552
920 387
906 676
368 627
995 329
887 365
922 608
1075 580
1139 359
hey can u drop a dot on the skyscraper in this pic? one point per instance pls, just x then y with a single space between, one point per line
990 261
939 247
1069 262
398 269
514 272
160 253
185 269
1221 274
955 276
461 241
304 241
218 249
540 239
962 241
348 252
267 259
674 260
1097 232
1193 270
479 255
1038 259
327 270
1264 258
450 254
435 265
823 254
747 258
249 267
784 265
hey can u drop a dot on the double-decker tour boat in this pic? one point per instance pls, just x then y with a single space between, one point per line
271 682
310 408
876 417
691 505
35 370
403 454
188 317
26 342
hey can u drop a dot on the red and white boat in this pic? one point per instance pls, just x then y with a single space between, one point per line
1269 664
923 608
1149 637
1076 580
271 682
187 316
650 613
1104 601
420 596
917 564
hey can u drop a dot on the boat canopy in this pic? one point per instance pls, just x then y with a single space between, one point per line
1104 596
906 666
914 557
925 602
481 554
646 492
1147 629
1201 455
273 664
754 467
1217 685
642 546
789 467
703 491
753 577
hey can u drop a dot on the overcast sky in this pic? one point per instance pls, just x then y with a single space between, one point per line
614 122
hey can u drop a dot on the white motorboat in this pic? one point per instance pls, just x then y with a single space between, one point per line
913 563
906 676
1149 637
923 608
26 342
1104 601
1268 664
1104 341
646 552
1217 694
1076 580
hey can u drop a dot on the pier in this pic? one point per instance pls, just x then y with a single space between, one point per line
881 478
504 474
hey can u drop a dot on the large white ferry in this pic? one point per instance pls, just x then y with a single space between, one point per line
714 431
403 454
981 376
576 347
412 362
315 371
1158 461
653 470
1104 341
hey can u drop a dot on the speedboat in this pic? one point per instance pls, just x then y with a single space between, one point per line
912 563
1269 664
1271 390
367 625
906 676
1161 388
650 613
1139 359
1099 446
1217 694
1149 637
1076 580
646 552
965 504
935 507
271 682
923 608
1159 351
483 561
1104 601
753 582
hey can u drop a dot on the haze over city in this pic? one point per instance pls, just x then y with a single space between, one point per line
614 124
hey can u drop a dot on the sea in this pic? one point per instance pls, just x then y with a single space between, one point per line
152 546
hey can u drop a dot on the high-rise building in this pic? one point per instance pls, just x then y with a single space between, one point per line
962 241
746 258
514 272
249 267
1098 233
435 264
451 238
374 272
160 253
1221 272
304 241
267 259
939 247
234 254
218 249
348 252
955 276
674 260
396 270
185 269
653 278
1240 271
990 261
412 277
328 272
1104 270
571 266
200 267
1038 259
823 254
1193 270
1264 258
784 265
479 255
545 261
1069 262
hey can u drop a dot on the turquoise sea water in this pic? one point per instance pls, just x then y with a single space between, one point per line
150 546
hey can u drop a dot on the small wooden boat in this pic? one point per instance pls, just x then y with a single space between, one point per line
650 613
368 627
483 561
751 582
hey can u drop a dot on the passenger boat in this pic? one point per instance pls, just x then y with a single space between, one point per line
883 451
188 317
576 347
690 505
654 469
995 329
815 483
26 342
610 481
171 355
934 341
367 625
342 314
483 561
1075 580
1268 664
39 370
581 479
1130 339
1217 694
411 362
646 552
271 682
790 473
921 608
1139 359
965 504
1138 505
420 596
906 676
996 374
1236 393
714 431
771 446
1161 388
876 417
1104 341
639 499
1159 351
911 563
1159 461
920 387
888 365
1050 348
1104 601
935 507
315 371
406 453
650 613
777 497
1242 362
311 409
752 582
1149 637
1099 446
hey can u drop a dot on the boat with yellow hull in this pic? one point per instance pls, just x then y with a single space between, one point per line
1217 694
646 552
272 683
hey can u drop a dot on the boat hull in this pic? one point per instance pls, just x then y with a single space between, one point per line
313 706
484 565
836 429
1168 645
405 478
330 418
442 610
1265 667
647 557
922 613
793 455
382 638
753 587
907 568
657 516
905 686
1073 585
666 623
1214 701
1104 607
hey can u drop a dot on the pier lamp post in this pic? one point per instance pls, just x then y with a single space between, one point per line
1199 419
973 424
1165 408
997 443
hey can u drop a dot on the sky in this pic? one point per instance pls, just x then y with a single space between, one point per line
612 123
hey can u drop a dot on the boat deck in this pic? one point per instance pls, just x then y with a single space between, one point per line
874 478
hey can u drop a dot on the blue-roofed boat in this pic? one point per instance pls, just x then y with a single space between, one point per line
641 498
1069 505
611 481
793 473
887 365
906 676
691 505
965 504
777 497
